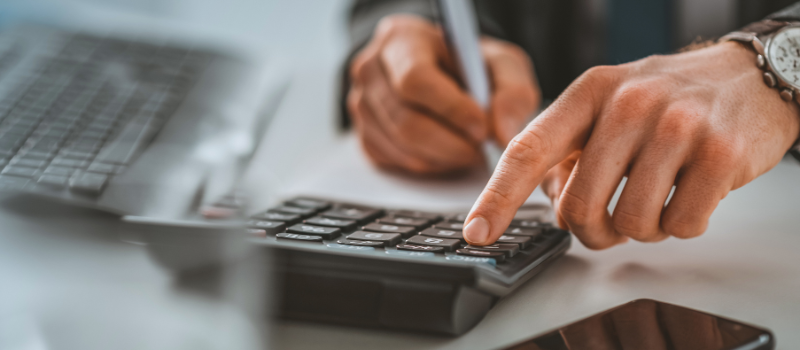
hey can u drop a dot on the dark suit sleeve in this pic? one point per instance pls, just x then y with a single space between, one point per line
791 13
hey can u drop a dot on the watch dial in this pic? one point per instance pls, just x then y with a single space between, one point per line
784 55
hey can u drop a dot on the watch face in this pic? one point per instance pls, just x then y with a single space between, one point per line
784 55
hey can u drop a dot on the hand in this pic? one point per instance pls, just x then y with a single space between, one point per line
411 115
702 121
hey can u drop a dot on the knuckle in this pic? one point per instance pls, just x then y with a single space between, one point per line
634 102
599 75
717 157
682 228
678 124
574 209
412 82
527 148
632 225
392 24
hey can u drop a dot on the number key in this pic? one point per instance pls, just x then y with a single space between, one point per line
445 243
324 232
387 238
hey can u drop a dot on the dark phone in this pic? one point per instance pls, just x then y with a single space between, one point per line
648 324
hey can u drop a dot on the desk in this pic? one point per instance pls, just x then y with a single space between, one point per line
63 271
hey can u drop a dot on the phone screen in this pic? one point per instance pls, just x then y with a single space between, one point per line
649 324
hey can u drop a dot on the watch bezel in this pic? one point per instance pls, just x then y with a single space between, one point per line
782 82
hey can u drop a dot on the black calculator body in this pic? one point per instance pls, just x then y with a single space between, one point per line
350 264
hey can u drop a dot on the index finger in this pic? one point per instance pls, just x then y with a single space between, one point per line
560 130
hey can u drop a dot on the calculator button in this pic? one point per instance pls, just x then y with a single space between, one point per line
448 244
439 233
458 226
387 238
309 203
420 248
257 232
296 237
360 243
527 224
289 219
517 231
304 212
344 225
498 256
472 259
325 232
523 242
350 247
508 249
357 214
403 230
417 223
415 214
458 218
271 227
410 253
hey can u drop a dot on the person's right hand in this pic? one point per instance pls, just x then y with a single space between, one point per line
412 116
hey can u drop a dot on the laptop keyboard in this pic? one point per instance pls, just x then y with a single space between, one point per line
398 232
80 116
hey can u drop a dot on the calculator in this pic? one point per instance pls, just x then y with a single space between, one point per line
351 264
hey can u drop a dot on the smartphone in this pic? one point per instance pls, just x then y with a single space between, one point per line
648 324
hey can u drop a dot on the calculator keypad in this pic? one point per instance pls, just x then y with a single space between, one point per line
398 232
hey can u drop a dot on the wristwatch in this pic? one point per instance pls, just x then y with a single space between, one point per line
777 44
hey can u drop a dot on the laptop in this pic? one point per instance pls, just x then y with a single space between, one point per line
128 124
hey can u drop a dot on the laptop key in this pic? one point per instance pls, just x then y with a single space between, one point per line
360 243
272 227
54 181
508 249
304 212
498 256
358 214
403 230
444 243
12 182
309 203
324 232
458 226
288 219
418 223
89 183
516 231
387 238
420 248
20 171
297 237
523 242
439 233
344 225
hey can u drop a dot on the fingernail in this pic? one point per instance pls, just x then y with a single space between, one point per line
477 231
511 127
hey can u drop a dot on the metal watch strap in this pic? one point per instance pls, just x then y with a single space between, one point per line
751 35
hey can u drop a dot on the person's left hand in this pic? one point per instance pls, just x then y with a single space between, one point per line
702 121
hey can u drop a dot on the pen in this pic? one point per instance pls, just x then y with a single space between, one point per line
463 38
